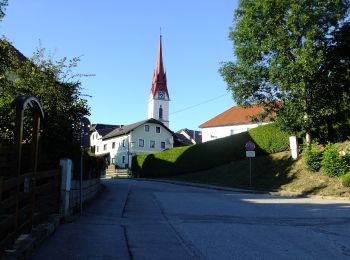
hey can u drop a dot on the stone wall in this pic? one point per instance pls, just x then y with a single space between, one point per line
89 190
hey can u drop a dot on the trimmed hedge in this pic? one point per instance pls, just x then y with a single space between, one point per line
268 139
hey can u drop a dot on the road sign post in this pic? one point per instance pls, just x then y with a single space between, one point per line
250 153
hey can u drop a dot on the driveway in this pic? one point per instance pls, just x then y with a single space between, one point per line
132 219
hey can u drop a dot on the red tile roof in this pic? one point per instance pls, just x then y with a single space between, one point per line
234 116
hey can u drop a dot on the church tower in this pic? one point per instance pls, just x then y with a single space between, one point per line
158 102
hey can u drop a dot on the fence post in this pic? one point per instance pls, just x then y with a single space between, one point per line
66 166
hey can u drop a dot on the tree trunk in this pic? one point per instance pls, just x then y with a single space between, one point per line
308 139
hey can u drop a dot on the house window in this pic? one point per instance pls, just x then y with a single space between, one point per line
123 159
162 145
152 144
113 145
157 129
104 147
160 112
146 128
97 149
141 143
93 136
124 143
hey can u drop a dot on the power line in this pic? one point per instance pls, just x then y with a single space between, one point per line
196 105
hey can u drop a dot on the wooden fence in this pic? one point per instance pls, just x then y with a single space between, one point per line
25 201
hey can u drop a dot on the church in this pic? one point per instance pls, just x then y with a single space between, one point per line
118 143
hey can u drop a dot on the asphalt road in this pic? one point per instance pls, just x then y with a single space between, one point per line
133 219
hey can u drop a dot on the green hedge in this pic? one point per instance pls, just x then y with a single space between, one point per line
268 139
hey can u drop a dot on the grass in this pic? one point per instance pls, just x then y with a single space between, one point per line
272 172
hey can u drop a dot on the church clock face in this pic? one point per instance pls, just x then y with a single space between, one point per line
161 95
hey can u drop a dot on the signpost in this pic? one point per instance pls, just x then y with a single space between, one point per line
250 152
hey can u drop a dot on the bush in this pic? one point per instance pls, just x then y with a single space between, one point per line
313 157
268 139
345 179
332 163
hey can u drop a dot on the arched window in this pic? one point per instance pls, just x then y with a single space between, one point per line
160 112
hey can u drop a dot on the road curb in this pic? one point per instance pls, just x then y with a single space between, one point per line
26 243
282 193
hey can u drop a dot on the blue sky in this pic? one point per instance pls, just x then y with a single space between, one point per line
118 42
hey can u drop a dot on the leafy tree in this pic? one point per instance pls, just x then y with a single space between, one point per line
291 57
3 4
55 85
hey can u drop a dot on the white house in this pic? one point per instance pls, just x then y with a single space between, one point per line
147 136
235 120
97 132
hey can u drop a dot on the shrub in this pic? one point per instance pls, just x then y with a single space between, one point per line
313 157
332 163
345 179
268 139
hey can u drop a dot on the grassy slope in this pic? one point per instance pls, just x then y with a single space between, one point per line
277 172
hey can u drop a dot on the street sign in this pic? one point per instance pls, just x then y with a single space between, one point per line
250 146
250 153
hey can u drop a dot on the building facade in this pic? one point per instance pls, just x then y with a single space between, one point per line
235 120
148 136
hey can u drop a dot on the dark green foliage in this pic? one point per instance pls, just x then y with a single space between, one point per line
295 53
333 164
210 154
313 157
3 4
57 88
345 179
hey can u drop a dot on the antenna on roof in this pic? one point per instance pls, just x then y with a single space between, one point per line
160 31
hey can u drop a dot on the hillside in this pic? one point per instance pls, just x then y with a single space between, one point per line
272 172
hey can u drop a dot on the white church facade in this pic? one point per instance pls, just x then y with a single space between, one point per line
119 143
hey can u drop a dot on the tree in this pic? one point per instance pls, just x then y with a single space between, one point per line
55 85
3 4
285 61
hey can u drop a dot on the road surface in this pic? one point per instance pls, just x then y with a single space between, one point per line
132 219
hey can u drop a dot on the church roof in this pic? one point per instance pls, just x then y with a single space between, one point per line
236 115
128 128
159 81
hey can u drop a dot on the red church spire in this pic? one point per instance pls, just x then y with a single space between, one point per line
159 82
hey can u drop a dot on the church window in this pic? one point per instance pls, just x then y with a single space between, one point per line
124 143
160 112
146 128
158 129
141 143
113 145
123 159
152 144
